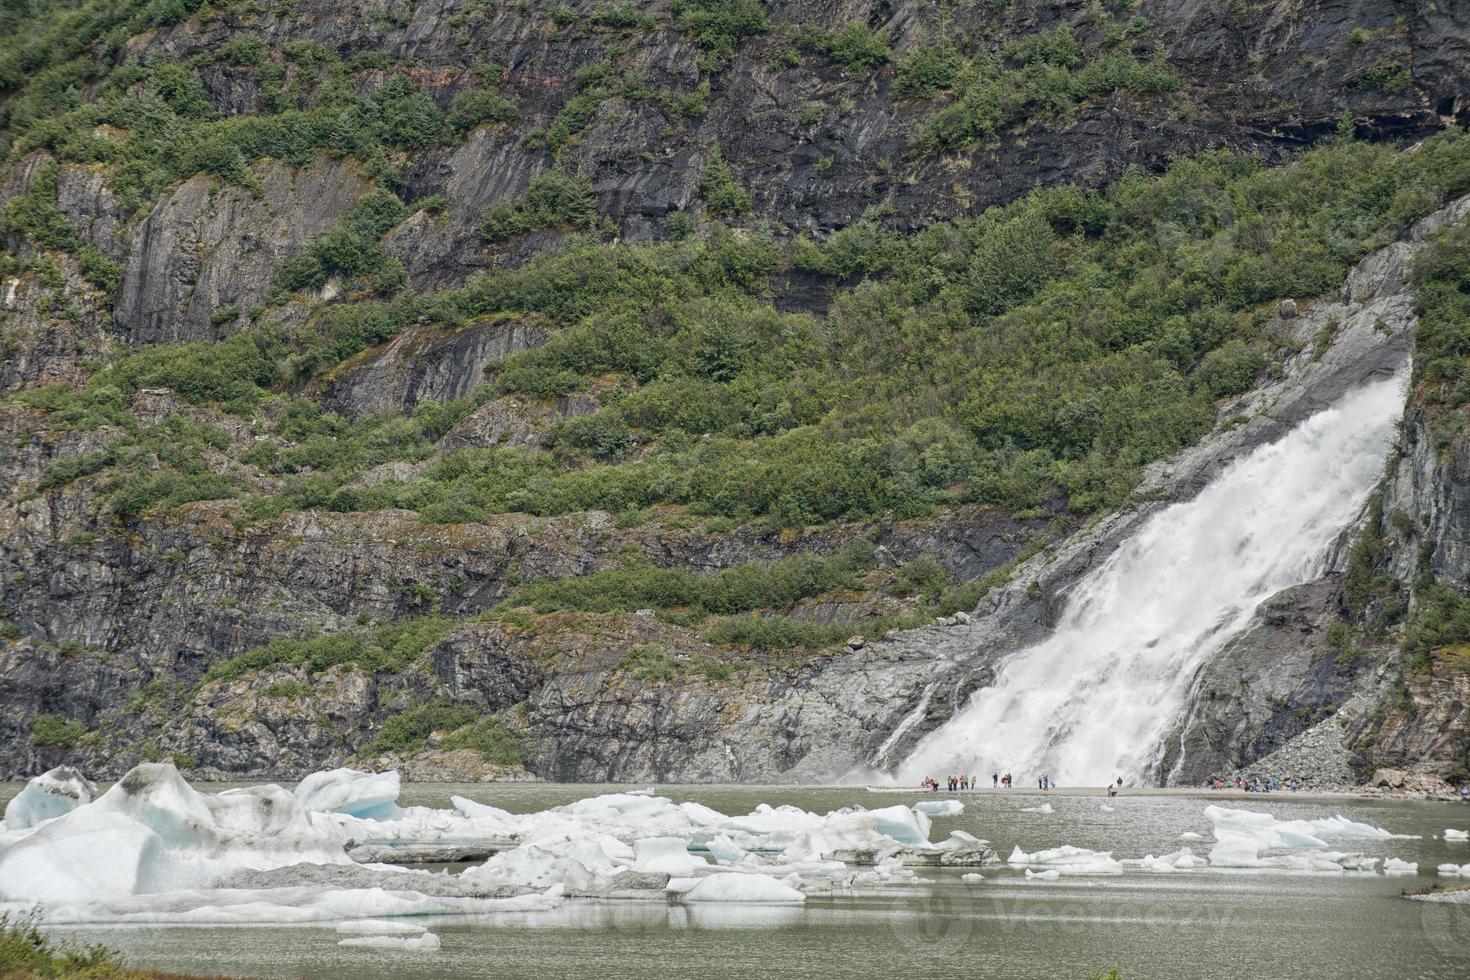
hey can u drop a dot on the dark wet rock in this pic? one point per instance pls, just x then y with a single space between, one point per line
204 248
426 363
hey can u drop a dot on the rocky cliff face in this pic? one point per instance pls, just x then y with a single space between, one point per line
113 627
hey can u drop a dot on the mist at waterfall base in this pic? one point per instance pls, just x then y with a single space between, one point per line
1096 699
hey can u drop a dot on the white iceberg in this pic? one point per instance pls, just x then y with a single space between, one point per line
425 943
972 876
731 887
665 855
1043 808
48 796
1067 860
368 795
1393 866
152 832
1449 834
1050 875
1454 870
940 808
1180 860
1243 836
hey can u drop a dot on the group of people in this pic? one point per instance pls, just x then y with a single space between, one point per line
997 781
952 784
1256 784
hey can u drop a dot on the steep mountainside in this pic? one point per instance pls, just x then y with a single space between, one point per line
712 389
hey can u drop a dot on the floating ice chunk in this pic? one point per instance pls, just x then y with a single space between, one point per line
1190 835
732 887
724 850
855 831
940 808
581 863
368 795
1068 860
702 816
1105 808
1049 875
152 832
428 942
84 855
665 855
480 811
1454 870
1449 834
382 927
1180 860
1043 808
1242 835
1294 833
255 906
1393 866
972 876
48 796
901 823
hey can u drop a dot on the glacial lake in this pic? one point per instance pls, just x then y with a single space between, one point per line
1200 924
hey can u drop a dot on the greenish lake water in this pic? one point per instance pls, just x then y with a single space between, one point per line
1203 924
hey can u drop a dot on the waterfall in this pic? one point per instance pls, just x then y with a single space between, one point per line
1097 697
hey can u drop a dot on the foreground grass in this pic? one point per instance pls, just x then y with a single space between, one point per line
26 953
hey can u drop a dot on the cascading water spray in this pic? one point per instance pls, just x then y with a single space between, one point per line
1095 699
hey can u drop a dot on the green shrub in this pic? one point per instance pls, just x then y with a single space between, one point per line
407 732
855 46
389 649
717 187
927 69
1230 369
55 732
34 214
1441 275
477 106
496 744
26 953
351 248
738 589
555 198
1441 620
779 632
720 25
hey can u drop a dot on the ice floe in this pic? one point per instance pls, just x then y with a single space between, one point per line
1067 860
1251 839
1042 808
47 797
153 849
940 808
1449 834
428 942
1393 866
1454 870
369 795
731 887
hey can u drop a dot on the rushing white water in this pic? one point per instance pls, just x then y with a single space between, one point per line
1095 699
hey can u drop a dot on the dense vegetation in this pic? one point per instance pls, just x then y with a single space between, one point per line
458 726
1442 340
390 648
1034 358
28 954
